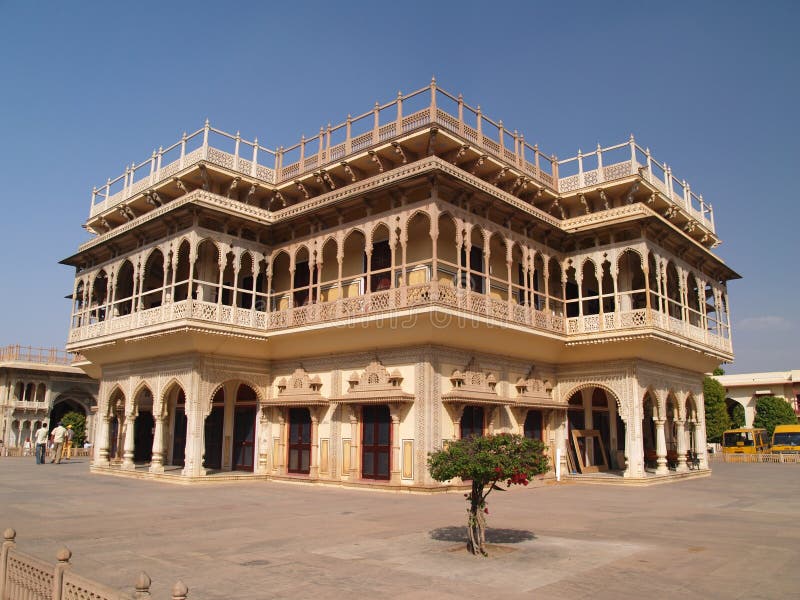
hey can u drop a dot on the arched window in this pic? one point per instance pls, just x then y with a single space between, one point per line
123 289
153 283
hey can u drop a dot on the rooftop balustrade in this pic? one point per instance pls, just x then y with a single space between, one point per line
30 354
403 115
402 298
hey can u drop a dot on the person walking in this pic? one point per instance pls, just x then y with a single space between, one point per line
68 443
26 447
59 436
41 443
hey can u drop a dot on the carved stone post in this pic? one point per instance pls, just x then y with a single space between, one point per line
313 468
394 466
680 433
355 444
62 556
283 426
661 447
127 455
157 462
9 536
263 441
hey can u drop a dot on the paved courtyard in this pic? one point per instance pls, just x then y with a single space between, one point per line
733 535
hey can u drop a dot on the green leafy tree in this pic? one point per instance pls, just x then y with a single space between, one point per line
78 422
717 418
772 411
485 462
737 415
718 371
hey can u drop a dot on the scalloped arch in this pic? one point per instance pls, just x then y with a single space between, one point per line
635 251
607 389
240 381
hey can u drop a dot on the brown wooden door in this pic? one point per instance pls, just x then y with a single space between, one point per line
299 440
244 438
376 442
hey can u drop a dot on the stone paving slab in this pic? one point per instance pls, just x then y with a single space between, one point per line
732 535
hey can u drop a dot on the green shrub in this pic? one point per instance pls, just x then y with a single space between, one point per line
772 411
486 461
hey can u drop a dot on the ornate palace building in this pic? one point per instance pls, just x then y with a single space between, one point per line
41 385
335 310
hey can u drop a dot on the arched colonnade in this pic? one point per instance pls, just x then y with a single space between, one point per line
452 247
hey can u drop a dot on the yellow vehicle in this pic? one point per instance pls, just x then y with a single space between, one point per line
786 439
745 440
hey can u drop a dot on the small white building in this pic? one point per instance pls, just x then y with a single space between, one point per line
746 388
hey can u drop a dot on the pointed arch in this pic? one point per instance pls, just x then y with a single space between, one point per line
123 288
181 272
153 279
116 400
673 295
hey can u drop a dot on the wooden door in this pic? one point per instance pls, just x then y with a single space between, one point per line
244 438
299 440
376 442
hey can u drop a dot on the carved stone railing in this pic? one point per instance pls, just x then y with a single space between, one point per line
26 577
391 301
47 356
386 122
629 159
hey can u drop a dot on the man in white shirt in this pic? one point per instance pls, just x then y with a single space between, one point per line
41 443
59 436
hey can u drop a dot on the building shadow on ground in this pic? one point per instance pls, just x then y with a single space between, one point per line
493 535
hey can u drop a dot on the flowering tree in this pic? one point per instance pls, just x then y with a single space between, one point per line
485 462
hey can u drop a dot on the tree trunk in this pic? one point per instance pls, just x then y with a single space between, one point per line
476 522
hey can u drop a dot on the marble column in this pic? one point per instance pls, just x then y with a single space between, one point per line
680 433
195 441
157 462
127 455
700 445
101 442
661 447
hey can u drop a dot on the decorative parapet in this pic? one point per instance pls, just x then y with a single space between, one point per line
387 122
30 354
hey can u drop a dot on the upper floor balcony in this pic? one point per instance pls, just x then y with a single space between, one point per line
397 302
426 109
429 256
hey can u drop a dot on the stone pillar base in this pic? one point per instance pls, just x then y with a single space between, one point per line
156 468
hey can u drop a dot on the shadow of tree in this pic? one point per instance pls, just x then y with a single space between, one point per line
493 536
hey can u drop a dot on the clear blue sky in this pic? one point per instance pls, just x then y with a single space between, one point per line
710 87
